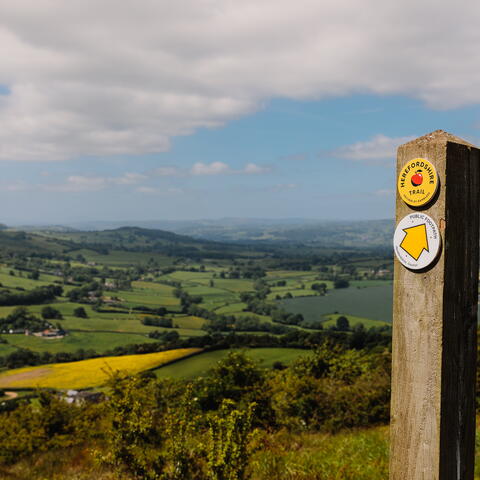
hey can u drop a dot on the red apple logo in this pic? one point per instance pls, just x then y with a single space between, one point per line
417 179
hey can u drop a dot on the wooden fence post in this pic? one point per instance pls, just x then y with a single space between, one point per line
435 323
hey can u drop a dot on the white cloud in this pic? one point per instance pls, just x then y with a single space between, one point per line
253 169
81 183
379 147
109 77
78 183
214 168
221 168
129 179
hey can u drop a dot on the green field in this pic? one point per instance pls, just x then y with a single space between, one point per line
189 322
231 308
373 302
200 364
98 341
6 349
14 281
118 258
354 320
120 324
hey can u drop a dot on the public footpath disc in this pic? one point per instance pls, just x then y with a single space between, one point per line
416 241
417 182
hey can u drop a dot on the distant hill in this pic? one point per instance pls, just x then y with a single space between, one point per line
45 228
19 242
132 239
329 234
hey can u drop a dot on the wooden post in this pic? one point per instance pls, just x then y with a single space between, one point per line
435 324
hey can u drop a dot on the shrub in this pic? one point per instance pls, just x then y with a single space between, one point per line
343 324
229 435
80 312
341 283
133 441
49 312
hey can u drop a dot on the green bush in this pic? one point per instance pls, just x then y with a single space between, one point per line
229 435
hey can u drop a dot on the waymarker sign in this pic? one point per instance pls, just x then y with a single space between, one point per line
416 241
435 301
418 182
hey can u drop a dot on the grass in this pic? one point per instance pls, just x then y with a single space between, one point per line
121 324
6 349
367 322
190 322
28 284
145 297
369 302
232 308
87 373
103 331
155 292
120 258
351 455
100 322
201 364
98 341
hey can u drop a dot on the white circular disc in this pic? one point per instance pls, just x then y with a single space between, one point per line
416 241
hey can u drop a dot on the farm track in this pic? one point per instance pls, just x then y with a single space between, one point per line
10 395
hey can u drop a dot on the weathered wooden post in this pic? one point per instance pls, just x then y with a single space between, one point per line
435 309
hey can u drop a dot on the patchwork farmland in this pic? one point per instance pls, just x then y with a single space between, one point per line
111 301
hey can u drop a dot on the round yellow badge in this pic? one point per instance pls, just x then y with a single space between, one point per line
417 182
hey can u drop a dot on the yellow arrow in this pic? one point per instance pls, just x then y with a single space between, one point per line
415 240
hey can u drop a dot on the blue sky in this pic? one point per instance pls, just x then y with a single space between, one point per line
261 124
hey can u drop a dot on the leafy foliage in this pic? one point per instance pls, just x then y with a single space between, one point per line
133 441
229 436
32 297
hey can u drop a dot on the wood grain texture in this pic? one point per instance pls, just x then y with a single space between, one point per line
434 325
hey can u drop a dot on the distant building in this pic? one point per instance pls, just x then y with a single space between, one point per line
383 273
76 397
51 333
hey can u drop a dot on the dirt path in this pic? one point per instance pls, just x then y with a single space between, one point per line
11 395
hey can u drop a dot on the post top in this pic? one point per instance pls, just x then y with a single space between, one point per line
438 136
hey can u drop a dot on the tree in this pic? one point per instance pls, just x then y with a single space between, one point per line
80 312
341 283
235 377
49 312
35 275
343 324
321 288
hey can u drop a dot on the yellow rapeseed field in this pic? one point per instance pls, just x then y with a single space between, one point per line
87 373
